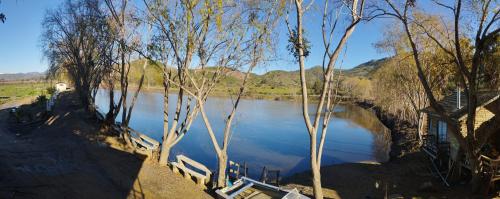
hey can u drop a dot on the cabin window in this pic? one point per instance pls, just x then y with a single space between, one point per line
442 131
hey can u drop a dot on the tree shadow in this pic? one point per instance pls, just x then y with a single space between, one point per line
408 177
65 157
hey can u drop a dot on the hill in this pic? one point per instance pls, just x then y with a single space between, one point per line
277 83
21 76
366 69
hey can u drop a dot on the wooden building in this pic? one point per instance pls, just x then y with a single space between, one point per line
437 139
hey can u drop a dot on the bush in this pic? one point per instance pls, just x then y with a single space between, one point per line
51 90
41 99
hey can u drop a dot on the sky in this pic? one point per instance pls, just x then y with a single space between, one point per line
20 49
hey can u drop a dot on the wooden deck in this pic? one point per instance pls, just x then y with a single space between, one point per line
247 188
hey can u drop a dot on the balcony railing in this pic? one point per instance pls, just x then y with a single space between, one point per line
434 148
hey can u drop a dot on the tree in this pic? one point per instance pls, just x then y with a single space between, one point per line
403 94
76 39
178 33
327 99
467 59
222 35
254 22
2 16
124 24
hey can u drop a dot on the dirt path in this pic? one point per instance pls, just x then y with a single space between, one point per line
68 158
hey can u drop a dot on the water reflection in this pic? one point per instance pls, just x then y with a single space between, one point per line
266 133
368 120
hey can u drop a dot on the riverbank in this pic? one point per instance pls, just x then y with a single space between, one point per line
67 155
403 134
408 173
276 94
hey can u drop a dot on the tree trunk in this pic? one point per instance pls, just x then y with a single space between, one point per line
221 178
164 153
110 116
476 178
315 169
318 192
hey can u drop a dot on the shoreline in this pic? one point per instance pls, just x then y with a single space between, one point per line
403 134
218 93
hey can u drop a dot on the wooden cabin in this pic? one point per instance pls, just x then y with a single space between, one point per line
437 139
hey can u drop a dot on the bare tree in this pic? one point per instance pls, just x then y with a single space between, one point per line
220 36
327 99
468 63
255 22
124 24
75 39
178 31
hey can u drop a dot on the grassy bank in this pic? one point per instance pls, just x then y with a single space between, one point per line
14 91
266 93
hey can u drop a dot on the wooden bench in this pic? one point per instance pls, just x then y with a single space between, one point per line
143 143
201 179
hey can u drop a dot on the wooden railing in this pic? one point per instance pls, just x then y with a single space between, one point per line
433 148
236 170
490 168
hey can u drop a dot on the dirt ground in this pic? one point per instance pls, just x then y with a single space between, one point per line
66 156
406 177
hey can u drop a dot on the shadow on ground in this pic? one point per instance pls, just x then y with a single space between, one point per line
66 156
408 177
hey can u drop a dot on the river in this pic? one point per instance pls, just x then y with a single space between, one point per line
266 133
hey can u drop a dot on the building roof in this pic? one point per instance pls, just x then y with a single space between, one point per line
450 105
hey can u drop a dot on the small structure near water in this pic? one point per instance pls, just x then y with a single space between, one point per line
60 87
252 189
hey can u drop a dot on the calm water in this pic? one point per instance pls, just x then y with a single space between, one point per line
266 133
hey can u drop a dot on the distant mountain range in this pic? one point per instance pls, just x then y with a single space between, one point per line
280 78
275 78
6 77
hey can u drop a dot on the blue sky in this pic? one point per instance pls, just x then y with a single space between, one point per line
20 35
20 40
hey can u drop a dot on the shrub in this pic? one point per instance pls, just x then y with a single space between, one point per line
51 90
41 99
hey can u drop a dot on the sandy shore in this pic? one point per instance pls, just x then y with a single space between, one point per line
66 156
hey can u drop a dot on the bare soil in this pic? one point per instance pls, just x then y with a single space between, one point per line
67 156
406 177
